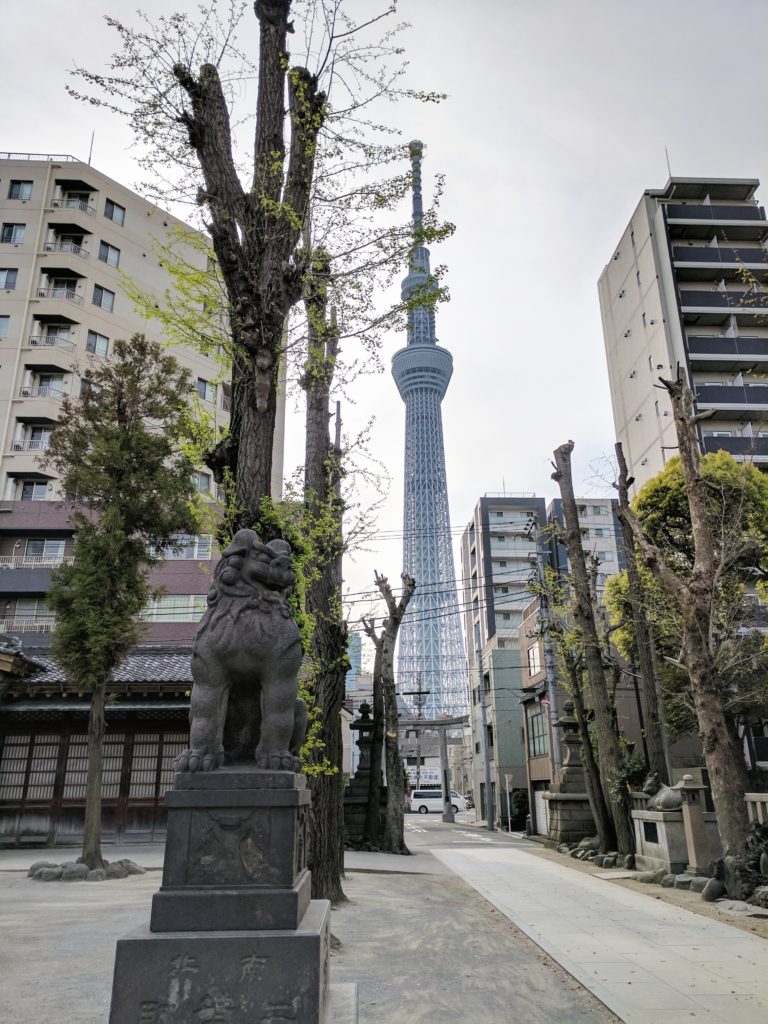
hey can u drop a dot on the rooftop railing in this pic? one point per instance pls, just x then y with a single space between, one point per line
53 157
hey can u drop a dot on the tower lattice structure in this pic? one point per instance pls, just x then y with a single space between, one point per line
431 646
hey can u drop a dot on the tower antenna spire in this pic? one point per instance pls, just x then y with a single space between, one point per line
416 149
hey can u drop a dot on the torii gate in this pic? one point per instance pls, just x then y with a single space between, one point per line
441 726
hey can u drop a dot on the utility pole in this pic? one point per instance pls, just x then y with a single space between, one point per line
490 809
420 700
533 531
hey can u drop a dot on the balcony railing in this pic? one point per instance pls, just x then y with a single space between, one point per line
50 341
718 254
746 300
28 624
56 158
41 391
31 444
732 394
34 561
714 211
74 204
754 447
72 247
60 293
226 403
747 348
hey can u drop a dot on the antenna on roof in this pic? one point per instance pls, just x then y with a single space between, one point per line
90 151
666 154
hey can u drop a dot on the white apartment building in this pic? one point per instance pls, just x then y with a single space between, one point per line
686 287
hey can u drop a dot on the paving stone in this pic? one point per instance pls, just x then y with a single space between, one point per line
699 883
713 890
74 872
38 865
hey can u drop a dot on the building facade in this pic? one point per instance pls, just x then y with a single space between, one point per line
498 562
686 287
431 651
68 234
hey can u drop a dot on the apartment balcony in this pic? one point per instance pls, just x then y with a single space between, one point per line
34 561
709 263
67 247
41 391
734 222
733 401
729 354
48 341
28 624
66 294
65 203
717 307
30 444
755 449
226 403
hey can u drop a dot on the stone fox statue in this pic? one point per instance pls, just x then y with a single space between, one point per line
245 661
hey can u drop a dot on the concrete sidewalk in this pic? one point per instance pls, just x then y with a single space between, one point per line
646 960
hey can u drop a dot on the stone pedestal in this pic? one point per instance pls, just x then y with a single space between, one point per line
702 838
570 816
659 841
234 936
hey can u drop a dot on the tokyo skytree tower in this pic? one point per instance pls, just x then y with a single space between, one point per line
431 655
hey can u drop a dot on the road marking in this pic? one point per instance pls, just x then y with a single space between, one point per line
475 837
414 828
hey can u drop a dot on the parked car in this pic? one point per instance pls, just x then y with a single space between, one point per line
426 800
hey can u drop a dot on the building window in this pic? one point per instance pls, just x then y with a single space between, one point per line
502 565
202 482
114 212
534 660
13 233
206 390
538 740
103 297
186 547
8 279
4 324
33 490
477 747
20 190
109 254
176 608
97 343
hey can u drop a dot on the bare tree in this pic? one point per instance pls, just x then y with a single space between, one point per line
653 713
718 544
608 748
371 831
394 829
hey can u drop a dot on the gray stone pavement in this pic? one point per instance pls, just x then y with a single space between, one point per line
420 941
646 960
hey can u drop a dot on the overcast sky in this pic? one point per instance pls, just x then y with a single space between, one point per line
557 118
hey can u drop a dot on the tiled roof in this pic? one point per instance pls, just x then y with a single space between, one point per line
148 664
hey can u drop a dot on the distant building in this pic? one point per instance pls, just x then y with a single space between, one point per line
67 235
355 655
686 287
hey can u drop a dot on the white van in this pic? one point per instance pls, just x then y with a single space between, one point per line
426 800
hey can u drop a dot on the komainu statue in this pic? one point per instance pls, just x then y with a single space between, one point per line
245 661
660 796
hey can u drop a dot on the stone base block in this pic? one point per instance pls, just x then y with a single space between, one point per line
232 910
247 977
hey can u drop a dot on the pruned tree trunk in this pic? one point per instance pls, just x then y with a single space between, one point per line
650 698
609 753
91 855
600 813
373 809
255 234
322 497
394 829
695 600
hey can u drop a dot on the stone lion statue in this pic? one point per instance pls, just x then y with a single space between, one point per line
660 796
245 660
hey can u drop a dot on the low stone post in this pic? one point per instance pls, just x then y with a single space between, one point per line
696 831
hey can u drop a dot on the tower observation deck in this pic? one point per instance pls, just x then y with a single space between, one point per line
431 655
